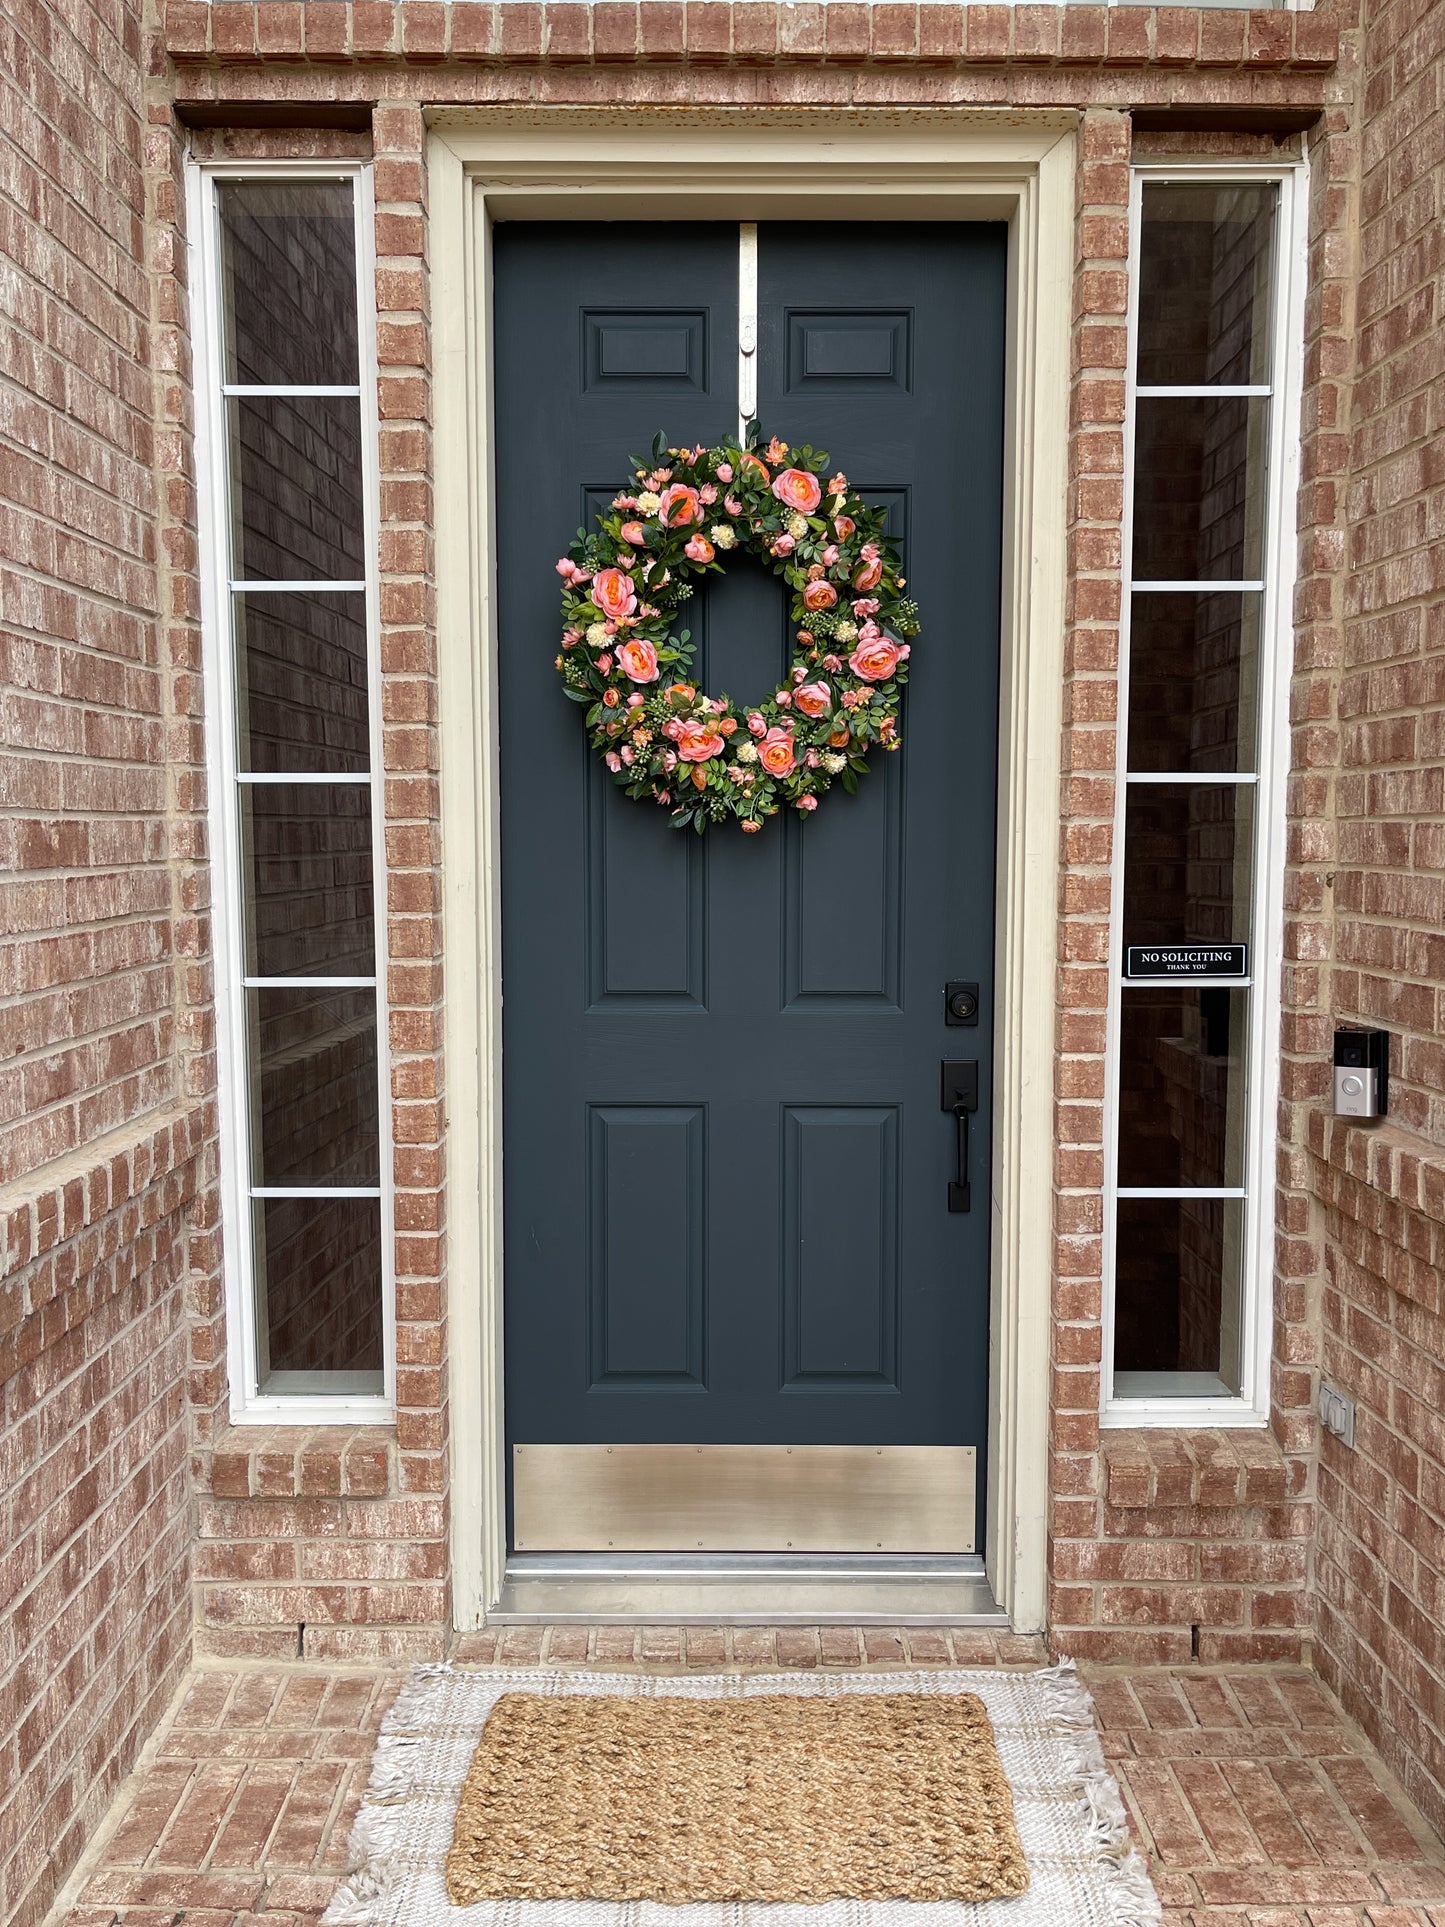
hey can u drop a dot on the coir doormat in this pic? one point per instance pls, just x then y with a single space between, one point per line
959 1799
878 1796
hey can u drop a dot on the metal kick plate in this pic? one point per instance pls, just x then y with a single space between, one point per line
743 1498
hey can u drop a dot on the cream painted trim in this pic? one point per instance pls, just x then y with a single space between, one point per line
933 164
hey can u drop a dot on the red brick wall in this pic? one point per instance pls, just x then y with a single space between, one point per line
106 1159
1372 726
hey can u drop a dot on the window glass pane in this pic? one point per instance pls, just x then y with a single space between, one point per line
1193 682
1199 487
1182 1059
1178 1272
288 282
301 669
1187 862
296 488
313 1086
1205 258
309 910
318 1264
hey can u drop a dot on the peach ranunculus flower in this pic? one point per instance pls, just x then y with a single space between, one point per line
843 526
678 508
813 698
875 658
699 549
775 752
796 489
639 661
819 595
697 741
614 592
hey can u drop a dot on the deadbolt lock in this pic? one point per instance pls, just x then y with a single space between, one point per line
960 1004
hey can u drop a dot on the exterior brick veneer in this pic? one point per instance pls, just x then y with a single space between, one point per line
327 1544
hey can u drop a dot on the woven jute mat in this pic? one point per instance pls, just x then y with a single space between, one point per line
889 1796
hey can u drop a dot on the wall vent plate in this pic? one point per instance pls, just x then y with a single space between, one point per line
1337 1414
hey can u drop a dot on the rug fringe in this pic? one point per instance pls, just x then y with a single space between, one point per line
1131 1891
1125 1873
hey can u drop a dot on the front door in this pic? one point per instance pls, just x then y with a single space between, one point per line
742 1307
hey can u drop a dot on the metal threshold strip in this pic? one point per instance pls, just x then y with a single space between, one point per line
745 1589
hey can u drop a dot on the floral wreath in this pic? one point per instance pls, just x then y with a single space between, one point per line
708 758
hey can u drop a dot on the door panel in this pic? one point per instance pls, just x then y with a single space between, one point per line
726 1166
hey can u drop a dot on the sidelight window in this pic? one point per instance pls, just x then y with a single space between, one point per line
1197 906
285 383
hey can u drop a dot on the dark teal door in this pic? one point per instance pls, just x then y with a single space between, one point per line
726 1162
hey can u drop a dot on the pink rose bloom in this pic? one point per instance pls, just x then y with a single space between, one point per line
634 701
775 752
609 696
626 752
869 576
678 508
565 565
796 489
832 664
756 725
707 495
639 661
733 505
634 533
725 474
886 729
819 595
813 698
700 549
843 526
838 484
875 659
800 674
613 761
783 545
669 760
830 555
784 699
807 802
865 606
614 592
604 663
696 742
672 729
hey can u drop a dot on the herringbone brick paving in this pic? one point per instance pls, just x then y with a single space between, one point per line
1259 1803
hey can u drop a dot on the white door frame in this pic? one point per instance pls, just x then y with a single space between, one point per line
899 164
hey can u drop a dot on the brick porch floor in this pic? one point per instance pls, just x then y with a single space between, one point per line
1257 1801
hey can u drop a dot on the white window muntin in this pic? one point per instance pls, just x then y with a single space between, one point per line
306 1405
1269 777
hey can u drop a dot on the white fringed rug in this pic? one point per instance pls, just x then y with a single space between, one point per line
1070 1818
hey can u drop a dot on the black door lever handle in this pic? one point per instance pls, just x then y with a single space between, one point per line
960 1096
